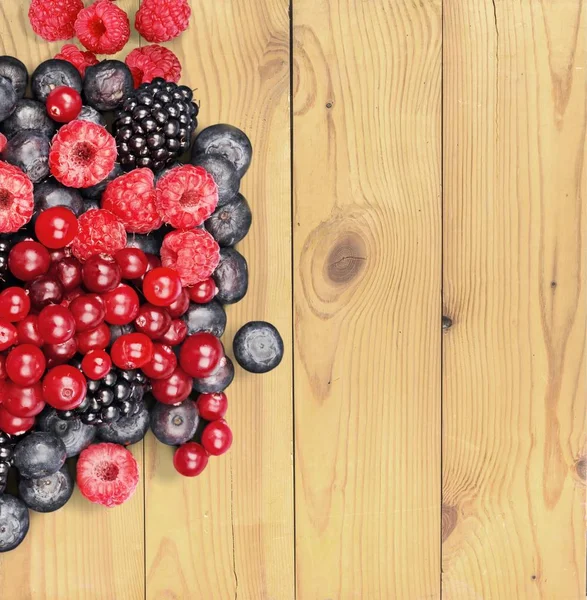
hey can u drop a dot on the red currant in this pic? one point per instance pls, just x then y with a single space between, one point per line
132 351
13 425
162 286
212 406
64 387
173 389
3 374
203 292
44 290
96 364
56 324
133 262
57 354
88 311
100 274
190 459
200 354
25 364
27 260
217 437
152 320
64 104
24 401
15 304
180 306
162 364
8 334
176 333
93 339
68 272
122 305
56 227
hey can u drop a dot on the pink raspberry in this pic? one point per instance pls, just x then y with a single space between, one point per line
16 198
162 20
103 27
99 232
186 196
132 198
193 254
82 154
54 19
80 60
3 142
153 61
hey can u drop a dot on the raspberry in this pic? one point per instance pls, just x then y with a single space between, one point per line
162 20
3 142
186 196
153 61
53 19
16 198
107 474
82 154
193 254
132 198
79 59
99 232
103 27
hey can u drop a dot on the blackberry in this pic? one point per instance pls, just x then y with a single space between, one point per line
155 125
6 458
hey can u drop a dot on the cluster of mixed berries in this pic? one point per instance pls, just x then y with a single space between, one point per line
117 260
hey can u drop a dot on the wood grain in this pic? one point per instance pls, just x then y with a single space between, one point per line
367 233
514 285
229 533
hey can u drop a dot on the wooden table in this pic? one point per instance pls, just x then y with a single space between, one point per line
413 159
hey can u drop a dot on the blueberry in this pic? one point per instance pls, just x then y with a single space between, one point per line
29 151
91 204
107 84
14 522
166 170
127 430
92 115
151 244
116 331
50 193
54 73
230 223
95 192
174 425
218 381
258 347
72 432
15 71
39 454
8 98
227 141
47 494
223 172
205 317
29 114
231 276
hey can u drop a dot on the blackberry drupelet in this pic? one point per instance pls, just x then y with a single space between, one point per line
155 125
6 458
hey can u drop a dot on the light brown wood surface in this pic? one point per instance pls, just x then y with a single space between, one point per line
413 159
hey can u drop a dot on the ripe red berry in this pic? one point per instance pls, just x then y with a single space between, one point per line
88 311
190 459
64 104
27 260
58 354
200 354
180 306
162 286
79 59
132 351
24 401
69 297
13 425
64 387
54 19
44 290
93 339
25 364
212 406
15 304
133 262
68 271
56 324
162 364
217 438
96 364
18 201
122 305
3 374
176 333
149 62
28 331
99 232
100 274
8 334
103 27
152 320
173 389
203 292
162 20
56 227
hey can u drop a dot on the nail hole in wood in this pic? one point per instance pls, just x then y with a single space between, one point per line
533 577
329 105
446 322
581 468
553 284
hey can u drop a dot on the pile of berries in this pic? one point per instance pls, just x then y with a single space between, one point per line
117 261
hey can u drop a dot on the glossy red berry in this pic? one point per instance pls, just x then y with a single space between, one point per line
28 331
15 304
203 292
180 306
152 320
190 459
100 274
122 305
13 425
56 227
27 260
173 389
217 438
3 374
58 255
162 286
133 262
69 297
132 351
200 354
8 334
68 272
176 333
88 311
64 387
212 406
64 104
93 339
56 324
44 290
25 364
58 354
96 364
24 401
162 364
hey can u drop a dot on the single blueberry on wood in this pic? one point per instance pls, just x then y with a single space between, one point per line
258 347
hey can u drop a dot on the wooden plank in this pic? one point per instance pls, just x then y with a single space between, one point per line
229 532
367 238
83 551
514 284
